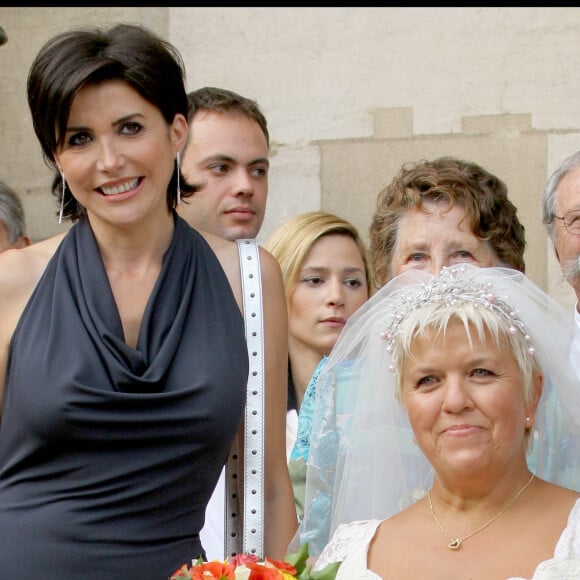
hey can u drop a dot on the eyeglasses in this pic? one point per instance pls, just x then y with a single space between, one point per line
571 221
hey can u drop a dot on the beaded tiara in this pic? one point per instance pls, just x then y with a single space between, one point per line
450 287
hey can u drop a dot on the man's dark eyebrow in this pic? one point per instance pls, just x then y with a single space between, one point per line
218 157
260 161
227 159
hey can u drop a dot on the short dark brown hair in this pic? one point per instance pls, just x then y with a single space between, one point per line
221 100
74 59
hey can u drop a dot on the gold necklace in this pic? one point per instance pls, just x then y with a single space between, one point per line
455 543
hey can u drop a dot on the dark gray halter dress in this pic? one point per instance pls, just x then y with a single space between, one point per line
109 455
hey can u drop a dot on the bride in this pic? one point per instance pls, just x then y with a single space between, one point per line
442 390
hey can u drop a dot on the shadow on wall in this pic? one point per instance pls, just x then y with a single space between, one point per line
3 37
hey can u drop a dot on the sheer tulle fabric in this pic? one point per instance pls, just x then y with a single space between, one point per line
363 462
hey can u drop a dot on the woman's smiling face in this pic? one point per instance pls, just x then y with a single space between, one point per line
465 403
119 153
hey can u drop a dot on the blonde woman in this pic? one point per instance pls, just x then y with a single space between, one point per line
326 278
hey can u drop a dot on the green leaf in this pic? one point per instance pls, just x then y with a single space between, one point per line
299 559
329 572
304 571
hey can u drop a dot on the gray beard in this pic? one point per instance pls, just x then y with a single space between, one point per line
571 270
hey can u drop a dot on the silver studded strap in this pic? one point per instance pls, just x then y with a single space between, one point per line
247 535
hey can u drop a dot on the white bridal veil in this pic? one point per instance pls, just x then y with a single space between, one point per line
363 463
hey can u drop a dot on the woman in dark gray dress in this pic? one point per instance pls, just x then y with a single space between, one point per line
124 362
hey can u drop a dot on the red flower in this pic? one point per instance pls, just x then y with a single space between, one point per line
241 559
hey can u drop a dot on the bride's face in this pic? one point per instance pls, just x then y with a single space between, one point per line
465 401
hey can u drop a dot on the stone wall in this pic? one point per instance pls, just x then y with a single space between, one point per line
350 94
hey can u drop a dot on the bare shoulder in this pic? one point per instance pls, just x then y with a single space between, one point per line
220 246
556 495
227 254
395 531
274 295
21 269
270 267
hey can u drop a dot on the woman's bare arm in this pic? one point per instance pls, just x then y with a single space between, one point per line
280 522
20 271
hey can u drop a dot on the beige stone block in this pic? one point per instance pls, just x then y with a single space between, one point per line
496 123
393 123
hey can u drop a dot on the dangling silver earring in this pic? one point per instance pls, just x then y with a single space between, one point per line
62 198
178 160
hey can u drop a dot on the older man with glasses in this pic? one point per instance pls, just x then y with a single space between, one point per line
561 216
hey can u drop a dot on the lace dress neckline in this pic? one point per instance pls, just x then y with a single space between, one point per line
350 544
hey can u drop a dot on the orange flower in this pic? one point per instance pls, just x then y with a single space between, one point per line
283 566
215 570
263 571
251 567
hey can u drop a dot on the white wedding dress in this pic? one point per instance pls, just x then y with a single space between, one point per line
350 544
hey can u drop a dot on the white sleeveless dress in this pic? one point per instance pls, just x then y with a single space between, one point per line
350 544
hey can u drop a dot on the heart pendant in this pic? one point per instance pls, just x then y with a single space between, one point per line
455 544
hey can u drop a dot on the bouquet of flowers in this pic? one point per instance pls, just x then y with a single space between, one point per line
249 567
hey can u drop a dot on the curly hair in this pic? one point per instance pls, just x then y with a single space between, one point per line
492 216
